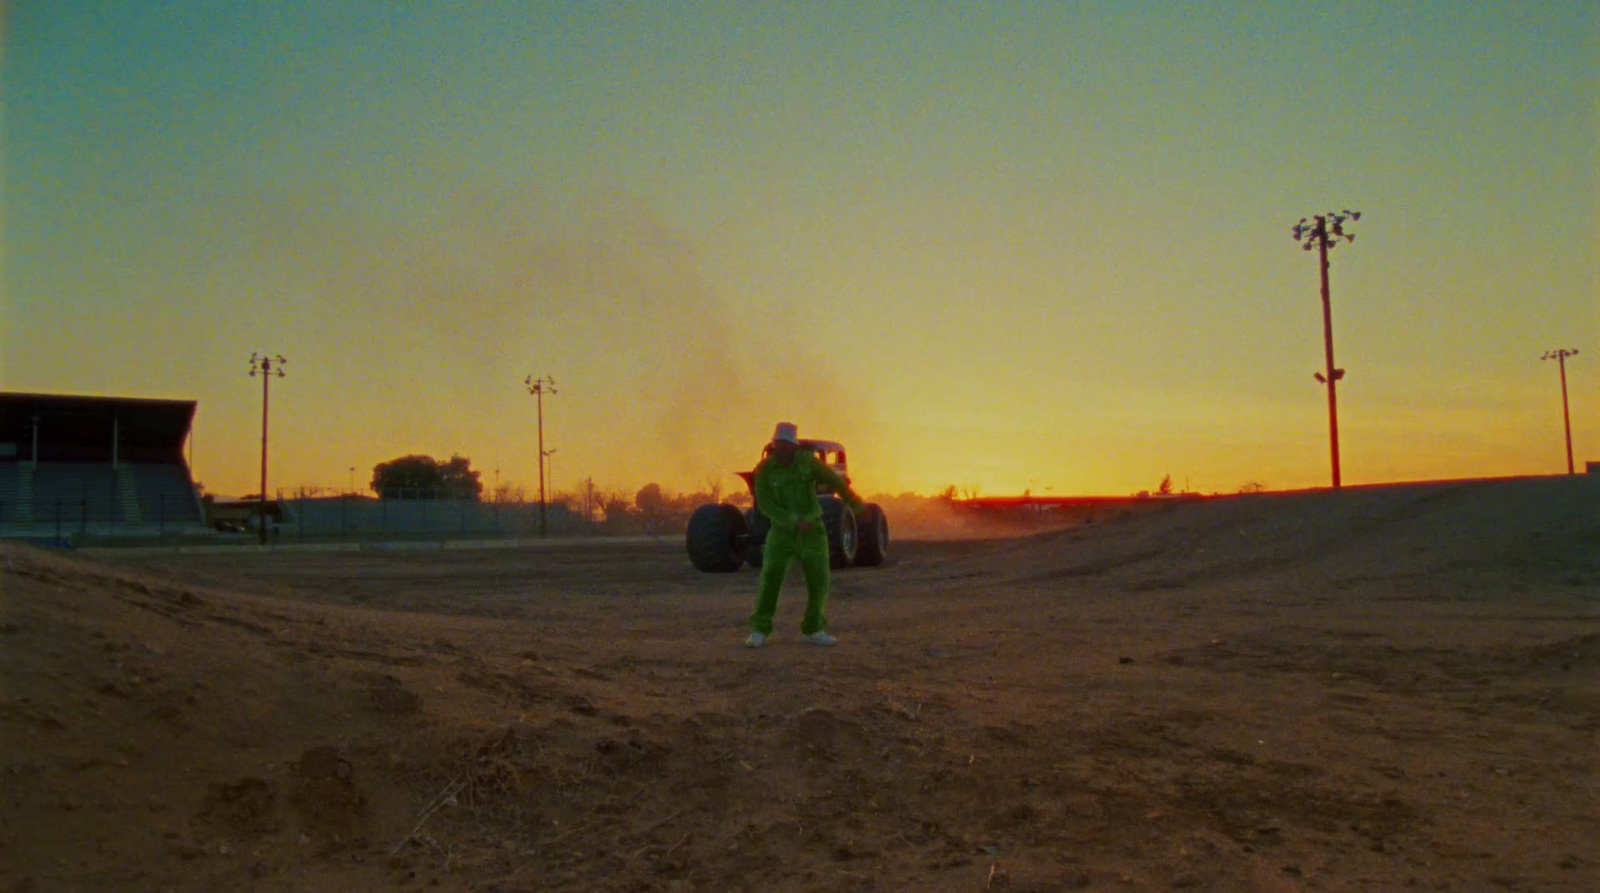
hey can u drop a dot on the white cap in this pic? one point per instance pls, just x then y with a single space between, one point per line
787 432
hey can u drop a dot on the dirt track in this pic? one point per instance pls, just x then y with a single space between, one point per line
1373 690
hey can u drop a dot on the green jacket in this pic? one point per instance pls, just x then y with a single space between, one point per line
787 495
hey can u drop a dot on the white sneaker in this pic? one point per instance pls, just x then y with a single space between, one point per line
819 638
755 640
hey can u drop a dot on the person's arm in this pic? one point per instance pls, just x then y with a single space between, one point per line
768 501
837 484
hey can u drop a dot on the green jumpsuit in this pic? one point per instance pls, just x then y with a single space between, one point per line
786 495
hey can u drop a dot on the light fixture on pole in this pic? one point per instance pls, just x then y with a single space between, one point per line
1323 232
1560 356
266 366
538 387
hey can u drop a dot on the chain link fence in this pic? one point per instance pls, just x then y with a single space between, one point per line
100 516
104 516
421 515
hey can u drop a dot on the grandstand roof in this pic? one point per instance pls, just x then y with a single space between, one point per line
73 420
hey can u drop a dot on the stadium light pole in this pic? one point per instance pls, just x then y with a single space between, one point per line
1323 232
1560 356
538 387
550 466
266 366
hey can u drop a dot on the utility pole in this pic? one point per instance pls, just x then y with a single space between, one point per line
538 387
1324 232
1560 356
550 466
267 367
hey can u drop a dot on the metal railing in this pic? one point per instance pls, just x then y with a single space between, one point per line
96 516
405 516
100 516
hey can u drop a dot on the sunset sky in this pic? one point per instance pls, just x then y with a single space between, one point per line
1002 246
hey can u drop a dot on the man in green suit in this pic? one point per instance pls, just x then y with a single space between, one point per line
786 484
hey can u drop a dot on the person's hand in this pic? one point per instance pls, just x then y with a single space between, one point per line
802 526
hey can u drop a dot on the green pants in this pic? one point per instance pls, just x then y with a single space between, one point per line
780 551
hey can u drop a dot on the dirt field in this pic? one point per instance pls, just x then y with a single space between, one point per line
1381 689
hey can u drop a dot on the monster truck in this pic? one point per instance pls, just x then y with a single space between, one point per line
722 538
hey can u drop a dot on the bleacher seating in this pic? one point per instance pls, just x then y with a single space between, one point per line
165 495
74 492
79 495
10 493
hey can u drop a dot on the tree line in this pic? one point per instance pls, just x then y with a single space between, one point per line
650 509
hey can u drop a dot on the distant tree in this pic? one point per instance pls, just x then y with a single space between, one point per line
424 477
413 472
650 498
590 500
1252 487
1166 486
617 512
653 506
459 479
509 493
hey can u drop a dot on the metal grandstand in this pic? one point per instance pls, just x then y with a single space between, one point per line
77 469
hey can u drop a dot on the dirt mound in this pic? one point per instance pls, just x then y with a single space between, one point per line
151 731
1477 533
1367 690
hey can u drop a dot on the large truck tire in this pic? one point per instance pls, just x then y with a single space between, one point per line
872 530
760 525
840 521
717 538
